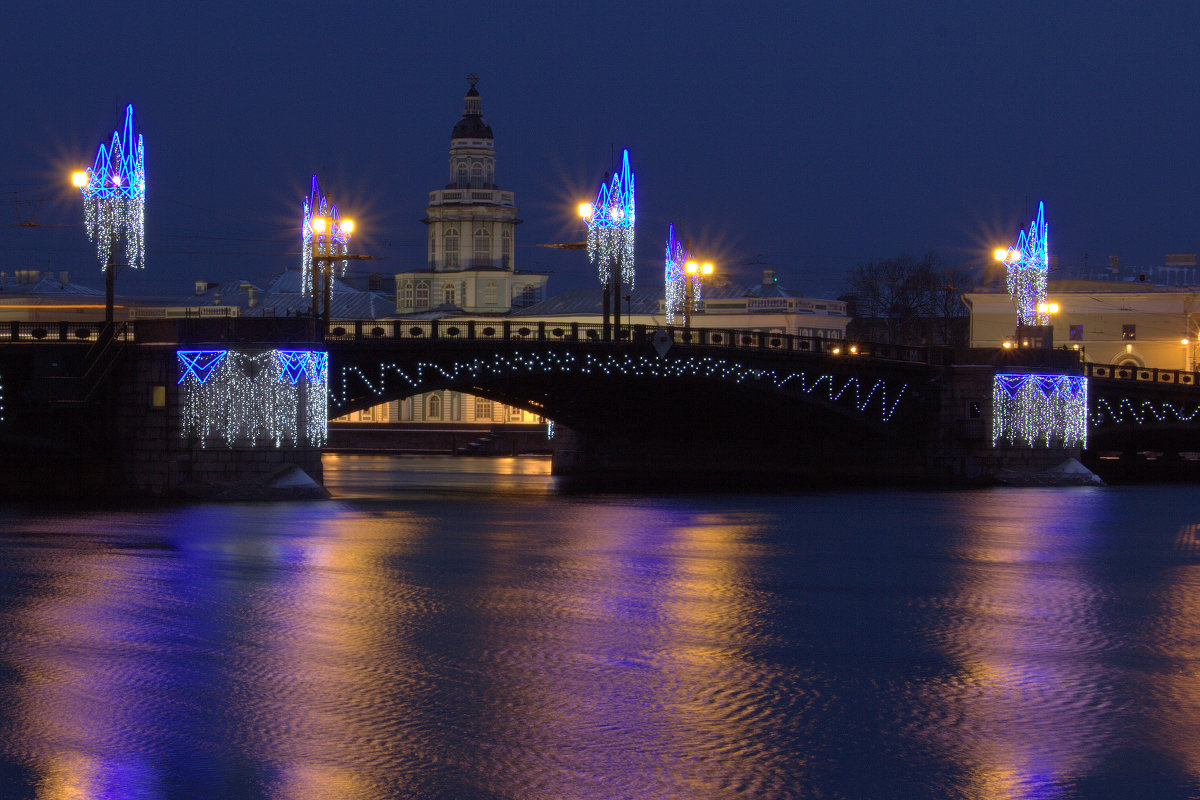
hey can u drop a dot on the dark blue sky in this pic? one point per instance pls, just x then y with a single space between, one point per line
807 137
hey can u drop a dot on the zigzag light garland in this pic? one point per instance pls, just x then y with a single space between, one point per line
676 281
1028 266
848 391
333 242
1141 412
611 225
1039 410
114 196
247 399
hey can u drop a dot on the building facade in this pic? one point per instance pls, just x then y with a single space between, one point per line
471 255
1133 325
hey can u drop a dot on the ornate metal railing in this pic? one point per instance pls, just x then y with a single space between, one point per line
59 332
1175 377
519 331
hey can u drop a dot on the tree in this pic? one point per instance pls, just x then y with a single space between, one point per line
906 300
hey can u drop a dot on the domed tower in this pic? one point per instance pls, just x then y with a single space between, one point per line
471 223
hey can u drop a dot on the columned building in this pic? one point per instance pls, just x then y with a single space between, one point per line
471 256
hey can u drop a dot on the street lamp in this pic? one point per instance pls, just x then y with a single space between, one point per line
331 230
692 277
611 224
114 198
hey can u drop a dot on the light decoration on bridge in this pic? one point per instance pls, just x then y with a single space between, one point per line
114 196
676 285
870 398
611 224
1027 264
1142 412
246 399
334 241
1039 410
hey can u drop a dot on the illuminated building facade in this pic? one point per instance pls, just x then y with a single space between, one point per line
471 226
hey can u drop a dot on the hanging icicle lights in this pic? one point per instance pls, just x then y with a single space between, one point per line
676 280
114 196
610 222
332 241
1039 410
241 399
1028 263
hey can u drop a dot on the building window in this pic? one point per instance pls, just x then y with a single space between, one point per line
483 408
483 248
462 175
490 293
432 246
1076 333
529 295
451 238
433 409
1128 332
406 296
422 295
506 240
514 414
448 294
477 175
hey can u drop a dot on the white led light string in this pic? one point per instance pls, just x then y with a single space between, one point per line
1039 410
826 386
248 399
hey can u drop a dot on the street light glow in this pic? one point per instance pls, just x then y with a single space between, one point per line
318 225
585 210
1000 254
691 268
347 226
80 178
706 269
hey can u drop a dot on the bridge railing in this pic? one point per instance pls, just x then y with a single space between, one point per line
58 332
1175 377
517 331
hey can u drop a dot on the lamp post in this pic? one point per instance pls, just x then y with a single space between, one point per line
322 263
692 272
586 213
611 224
114 197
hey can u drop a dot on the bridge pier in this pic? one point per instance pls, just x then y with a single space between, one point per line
129 430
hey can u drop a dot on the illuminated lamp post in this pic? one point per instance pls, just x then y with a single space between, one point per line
114 199
332 231
693 273
611 225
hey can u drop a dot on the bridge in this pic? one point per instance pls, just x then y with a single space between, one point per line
698 407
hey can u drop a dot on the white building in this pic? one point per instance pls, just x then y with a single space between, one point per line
471 248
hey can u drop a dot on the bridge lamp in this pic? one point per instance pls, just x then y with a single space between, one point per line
837 351
80 179
585 211
324 226
1047 308
1000 253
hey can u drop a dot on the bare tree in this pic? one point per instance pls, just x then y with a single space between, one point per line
908 300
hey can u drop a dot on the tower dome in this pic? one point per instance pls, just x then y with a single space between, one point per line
472 126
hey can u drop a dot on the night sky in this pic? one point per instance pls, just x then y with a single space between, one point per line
806 138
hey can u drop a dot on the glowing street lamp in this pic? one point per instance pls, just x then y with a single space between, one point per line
326 239
611 224
114 199
693 273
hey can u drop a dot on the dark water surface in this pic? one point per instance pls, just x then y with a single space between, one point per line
461 628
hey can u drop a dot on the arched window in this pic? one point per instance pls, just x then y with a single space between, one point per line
432 247
451 239
422 295
433 410
448 294
462 175
483 248
477 175
506 242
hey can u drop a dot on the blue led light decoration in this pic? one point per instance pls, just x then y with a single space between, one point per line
333 242
611 225
1027 264
114 196
1039 410
241 399
676 285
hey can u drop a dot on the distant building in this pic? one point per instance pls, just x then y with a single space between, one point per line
471 246
1108 322
32 296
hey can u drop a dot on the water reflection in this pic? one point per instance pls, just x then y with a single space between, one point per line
1030 697
428 637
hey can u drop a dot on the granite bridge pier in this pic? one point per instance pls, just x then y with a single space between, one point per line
161 408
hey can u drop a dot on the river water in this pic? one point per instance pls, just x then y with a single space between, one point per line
466 628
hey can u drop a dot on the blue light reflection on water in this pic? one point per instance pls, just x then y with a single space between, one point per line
460 628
